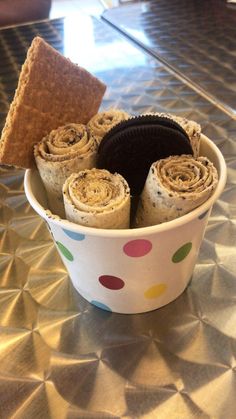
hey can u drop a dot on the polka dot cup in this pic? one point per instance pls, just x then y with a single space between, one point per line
135 270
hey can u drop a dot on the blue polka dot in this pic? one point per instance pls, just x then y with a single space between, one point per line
73 235
101 305
203 215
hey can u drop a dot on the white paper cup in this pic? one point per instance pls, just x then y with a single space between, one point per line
135 270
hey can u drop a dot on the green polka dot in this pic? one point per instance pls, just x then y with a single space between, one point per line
68 255
182 252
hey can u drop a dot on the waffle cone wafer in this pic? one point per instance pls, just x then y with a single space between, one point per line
51 92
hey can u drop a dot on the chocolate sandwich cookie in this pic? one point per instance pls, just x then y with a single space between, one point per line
133 145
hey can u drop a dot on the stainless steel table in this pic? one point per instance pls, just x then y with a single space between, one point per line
195 38
61 357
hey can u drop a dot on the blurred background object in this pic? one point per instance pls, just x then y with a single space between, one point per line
61 8
14 11
92 7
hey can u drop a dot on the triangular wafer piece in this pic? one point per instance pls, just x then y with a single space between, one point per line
51 92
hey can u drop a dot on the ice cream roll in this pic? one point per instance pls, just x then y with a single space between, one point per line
97 198
102 122
175 186
65 150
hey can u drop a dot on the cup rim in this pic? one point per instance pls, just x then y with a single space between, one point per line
134 232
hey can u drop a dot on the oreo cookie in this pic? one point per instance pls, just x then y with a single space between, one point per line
133 145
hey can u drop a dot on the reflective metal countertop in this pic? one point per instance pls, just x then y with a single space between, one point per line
61 357
195 38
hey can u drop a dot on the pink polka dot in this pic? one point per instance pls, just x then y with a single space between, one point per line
137 248
111 282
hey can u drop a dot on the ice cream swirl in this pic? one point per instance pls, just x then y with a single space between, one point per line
67 142
97 198
102 122
175 186
63 151
186 176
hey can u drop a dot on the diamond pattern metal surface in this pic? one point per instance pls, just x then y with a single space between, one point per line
60 356
196 39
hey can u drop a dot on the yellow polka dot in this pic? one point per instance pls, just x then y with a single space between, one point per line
155 291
